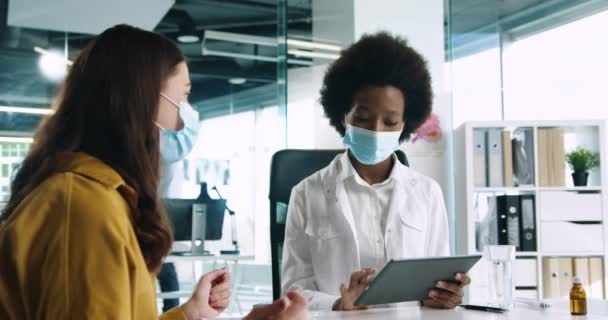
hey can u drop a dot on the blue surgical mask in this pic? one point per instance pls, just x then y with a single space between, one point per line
371 147
176 145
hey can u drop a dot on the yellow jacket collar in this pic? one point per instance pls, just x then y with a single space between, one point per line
90 167
95 169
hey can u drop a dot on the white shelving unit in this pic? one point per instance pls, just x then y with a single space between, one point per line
592 135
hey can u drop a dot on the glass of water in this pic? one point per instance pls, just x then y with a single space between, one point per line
500 261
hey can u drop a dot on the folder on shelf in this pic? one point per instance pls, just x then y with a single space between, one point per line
523 157
551 157
495 158
480 157
507 208
581 269
528 223
507 158
543 157
558 158
565 277
550 278
487 225
596 278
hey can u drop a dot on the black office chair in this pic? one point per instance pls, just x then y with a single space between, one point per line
288 168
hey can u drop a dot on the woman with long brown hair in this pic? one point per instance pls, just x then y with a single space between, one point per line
84 233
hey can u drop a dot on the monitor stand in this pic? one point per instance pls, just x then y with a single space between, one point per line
199 226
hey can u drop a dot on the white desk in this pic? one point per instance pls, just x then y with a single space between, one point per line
210 258
598 310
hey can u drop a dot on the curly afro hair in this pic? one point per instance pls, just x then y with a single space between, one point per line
381 60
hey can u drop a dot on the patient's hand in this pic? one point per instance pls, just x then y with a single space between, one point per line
292 307
211 296
358 282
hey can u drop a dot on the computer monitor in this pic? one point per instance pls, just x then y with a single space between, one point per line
180 215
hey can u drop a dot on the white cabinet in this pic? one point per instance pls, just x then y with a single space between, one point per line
572 238
569 221
570 206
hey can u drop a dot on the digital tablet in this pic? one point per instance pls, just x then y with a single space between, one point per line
411 279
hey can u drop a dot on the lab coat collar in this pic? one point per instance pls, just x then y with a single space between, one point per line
340 169
406 180
349 171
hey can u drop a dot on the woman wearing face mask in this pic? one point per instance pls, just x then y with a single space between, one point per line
178 133
348 220
178 130
84 232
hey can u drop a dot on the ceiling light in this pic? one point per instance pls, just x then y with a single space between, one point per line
17 139
187 32
312 45
237 81
266 41
28 110
226 54
43 51
311 54
52 64
188 38
240 38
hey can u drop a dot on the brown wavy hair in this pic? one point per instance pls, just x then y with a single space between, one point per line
106 108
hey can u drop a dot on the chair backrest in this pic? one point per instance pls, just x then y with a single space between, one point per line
288 168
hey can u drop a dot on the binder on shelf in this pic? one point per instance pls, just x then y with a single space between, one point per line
508 220
495 158
565 277
523 157
480 171
596 278
581 269
550 278
507 158
528 223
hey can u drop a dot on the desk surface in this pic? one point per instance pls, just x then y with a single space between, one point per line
558 310
227 257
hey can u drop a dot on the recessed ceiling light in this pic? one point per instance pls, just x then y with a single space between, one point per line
237 81
53 65
188 38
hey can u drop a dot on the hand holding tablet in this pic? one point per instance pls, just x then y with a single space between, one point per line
416 279
349 293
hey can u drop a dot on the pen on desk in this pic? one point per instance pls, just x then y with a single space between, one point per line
533 303
482 308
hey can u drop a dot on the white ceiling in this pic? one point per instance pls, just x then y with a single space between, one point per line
86 16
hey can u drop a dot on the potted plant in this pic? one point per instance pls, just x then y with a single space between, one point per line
581 161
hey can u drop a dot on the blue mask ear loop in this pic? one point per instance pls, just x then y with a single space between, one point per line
174 105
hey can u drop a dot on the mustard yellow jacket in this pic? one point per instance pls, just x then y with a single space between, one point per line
70 252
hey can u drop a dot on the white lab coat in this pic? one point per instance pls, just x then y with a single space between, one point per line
321 241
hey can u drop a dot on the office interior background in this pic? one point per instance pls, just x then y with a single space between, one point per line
256 68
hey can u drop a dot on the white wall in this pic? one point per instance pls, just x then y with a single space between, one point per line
559 74
475 82
305 114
